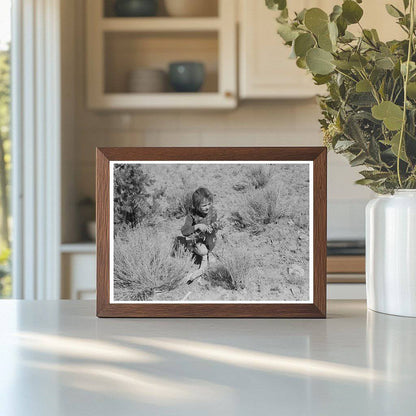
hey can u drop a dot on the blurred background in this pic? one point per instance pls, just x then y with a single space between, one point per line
99 73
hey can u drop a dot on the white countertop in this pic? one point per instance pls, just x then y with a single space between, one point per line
57 359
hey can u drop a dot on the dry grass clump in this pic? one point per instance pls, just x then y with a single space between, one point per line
260 208
142 261
232 270
259 176
266 206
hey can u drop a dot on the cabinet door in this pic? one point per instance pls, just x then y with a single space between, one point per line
265 68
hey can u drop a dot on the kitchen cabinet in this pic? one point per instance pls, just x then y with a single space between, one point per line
78 264
118 45
265 70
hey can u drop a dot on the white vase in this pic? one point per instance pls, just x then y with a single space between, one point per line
391 253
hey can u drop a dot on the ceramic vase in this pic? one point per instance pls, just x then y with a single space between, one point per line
391 253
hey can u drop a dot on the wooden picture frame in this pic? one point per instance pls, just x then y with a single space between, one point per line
315 307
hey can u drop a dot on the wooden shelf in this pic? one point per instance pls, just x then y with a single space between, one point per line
159 24
163 101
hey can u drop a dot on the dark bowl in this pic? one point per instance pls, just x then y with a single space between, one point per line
136 8
186 76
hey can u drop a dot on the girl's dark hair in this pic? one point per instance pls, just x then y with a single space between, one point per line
200 195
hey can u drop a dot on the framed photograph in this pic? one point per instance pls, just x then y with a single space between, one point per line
211 232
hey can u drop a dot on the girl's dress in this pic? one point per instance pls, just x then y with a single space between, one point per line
194 237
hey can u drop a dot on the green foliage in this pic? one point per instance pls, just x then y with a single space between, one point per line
5 269
4 89
390 113
319 61
5 167
369 112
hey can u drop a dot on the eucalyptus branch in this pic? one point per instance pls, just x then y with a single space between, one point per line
406 80
392 90
398 95
373 89
379 121
346 75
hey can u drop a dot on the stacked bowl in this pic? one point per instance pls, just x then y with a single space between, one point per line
147 80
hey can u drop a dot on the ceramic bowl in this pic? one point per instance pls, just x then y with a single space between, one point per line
186 76
135 8
147 80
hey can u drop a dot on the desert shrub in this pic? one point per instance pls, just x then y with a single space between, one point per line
131 198
259 208
232 270
259 176
143 261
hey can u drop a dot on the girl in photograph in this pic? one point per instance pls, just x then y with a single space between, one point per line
201 226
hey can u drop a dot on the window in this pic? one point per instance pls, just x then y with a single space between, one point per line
5 144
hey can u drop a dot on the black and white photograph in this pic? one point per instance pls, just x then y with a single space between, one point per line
211 232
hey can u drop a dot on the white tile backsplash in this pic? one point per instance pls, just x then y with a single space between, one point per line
271 123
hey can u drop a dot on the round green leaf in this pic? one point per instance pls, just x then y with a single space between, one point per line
351 11
316 20
276 4
363 86
411 90
385 63
319 61
391 114
342 64
303 43
333 32
342 25
286 32
324 42
336 12
358 61
301 63
327 40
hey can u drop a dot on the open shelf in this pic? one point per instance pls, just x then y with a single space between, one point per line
127 51
116 46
